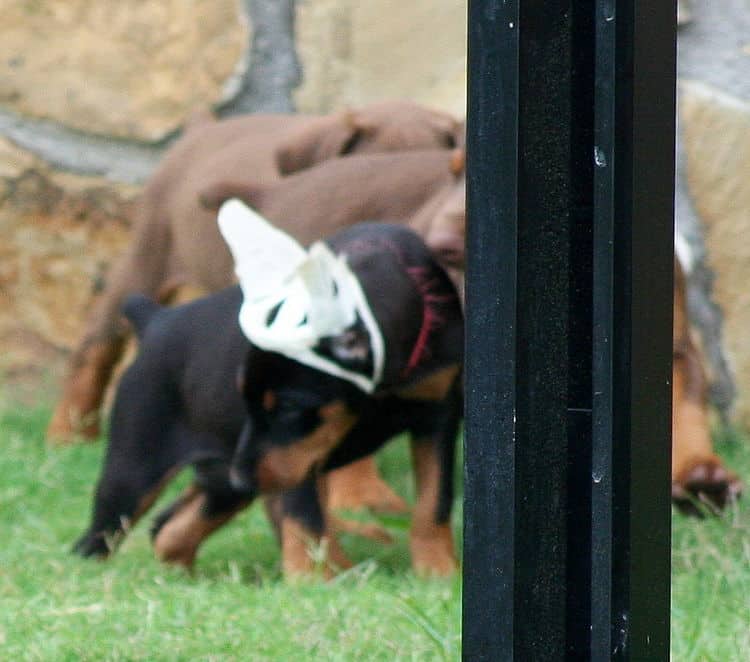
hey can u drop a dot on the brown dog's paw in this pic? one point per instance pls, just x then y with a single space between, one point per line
707 483
67 427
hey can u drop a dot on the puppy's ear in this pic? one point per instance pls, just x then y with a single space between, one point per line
323 139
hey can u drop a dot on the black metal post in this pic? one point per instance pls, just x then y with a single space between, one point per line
570 138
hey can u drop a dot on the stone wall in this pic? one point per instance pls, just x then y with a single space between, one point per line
356 52
91 93
85 118
59 234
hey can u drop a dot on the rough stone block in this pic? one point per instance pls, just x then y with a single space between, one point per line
357 52
60 234
131 69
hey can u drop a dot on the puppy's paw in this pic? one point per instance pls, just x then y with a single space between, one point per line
432 554
92 545
708 483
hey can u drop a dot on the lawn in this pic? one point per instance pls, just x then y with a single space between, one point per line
54 606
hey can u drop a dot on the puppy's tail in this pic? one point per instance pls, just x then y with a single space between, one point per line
139 310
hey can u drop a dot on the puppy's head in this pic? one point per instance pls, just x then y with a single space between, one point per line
381 127
296 416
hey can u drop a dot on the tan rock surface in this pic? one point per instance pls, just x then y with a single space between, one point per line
133 68
716 133
59 235
356 52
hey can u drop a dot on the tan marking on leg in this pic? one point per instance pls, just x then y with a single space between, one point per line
76 416
432 387
359 486
285 467
691 436
431 543
183 533
305 554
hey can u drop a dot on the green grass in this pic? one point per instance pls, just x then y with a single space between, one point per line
711 576
55 606
234 606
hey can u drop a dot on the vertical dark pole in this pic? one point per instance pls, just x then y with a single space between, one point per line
519 211
602 470
633 270
570 138
643 186
492 185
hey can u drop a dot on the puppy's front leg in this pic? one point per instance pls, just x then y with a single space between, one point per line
433 458
307 543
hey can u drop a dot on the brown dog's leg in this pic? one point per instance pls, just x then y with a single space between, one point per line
431 538
141 270
359 486
179 537
77 412
697 472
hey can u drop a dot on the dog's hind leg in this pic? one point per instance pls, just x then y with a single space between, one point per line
119 503
203 508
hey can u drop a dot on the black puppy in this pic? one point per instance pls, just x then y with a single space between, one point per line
287 423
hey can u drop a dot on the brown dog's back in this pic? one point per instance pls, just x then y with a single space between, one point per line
312 204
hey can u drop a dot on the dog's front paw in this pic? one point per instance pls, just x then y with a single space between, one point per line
432 553
707 483
92 545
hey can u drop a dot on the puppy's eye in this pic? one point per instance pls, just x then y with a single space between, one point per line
294 421
352 143
269 400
